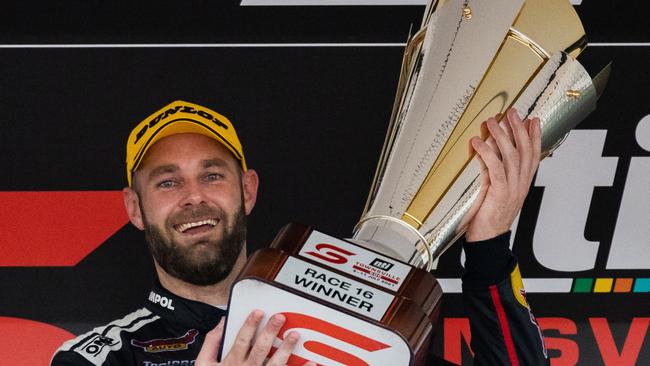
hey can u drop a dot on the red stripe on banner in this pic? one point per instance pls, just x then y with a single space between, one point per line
503 322
28 342
388 279
360 269
42 229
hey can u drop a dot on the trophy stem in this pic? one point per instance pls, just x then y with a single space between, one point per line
426 257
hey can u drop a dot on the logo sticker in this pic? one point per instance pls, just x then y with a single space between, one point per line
167 344
380 264
331 253
322 332
327 336
161 300
97 343
355 260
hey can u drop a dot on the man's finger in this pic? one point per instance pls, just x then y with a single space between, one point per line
244 338
508 152
496 171
490 140
505 126
536 136
281 356
210 349
265 339
524 148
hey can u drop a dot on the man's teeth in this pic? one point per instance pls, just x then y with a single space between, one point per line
184 227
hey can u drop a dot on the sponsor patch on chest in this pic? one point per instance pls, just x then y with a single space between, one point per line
167 344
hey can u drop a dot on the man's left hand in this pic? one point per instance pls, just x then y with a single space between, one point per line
509 160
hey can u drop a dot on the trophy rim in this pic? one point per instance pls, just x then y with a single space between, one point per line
425 243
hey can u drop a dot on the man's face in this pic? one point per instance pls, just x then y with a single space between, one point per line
193 207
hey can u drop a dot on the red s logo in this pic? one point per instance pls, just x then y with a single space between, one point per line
331 253
302 321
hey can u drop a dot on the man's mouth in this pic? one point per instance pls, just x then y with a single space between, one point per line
196 227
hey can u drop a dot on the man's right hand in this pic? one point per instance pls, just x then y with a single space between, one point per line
247 349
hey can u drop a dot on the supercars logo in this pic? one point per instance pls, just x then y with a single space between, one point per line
361 344
167 344
331 253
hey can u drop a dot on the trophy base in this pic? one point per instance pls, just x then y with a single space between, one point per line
345 312
362 263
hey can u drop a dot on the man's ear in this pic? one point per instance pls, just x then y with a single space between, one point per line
250 182
132 204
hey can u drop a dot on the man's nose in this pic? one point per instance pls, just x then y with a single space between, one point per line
193 194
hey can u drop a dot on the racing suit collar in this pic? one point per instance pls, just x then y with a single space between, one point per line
190 313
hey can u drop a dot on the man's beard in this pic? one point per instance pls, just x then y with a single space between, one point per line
208 264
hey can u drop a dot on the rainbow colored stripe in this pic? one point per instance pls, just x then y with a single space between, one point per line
609 285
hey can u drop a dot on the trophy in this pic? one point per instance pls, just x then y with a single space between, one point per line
371 299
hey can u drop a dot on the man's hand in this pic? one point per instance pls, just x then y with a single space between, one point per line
247 350
509 160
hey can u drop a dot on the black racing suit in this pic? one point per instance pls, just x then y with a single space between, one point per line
169 330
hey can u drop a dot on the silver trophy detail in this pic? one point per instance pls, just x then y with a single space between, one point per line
472 59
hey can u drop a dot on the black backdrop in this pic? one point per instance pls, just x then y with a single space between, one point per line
310 91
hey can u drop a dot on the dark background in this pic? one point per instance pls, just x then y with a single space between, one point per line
312 120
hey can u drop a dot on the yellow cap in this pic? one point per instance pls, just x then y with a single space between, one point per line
180 117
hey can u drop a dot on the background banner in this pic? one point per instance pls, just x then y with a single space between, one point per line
310 89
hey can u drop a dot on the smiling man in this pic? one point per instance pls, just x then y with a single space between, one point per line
190 191
191 199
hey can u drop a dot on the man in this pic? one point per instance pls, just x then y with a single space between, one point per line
190 191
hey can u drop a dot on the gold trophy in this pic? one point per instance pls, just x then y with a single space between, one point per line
471 60
371 300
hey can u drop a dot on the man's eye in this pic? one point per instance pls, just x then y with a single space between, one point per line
213 177
166 184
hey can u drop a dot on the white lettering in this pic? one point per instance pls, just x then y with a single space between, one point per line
569 177
630 248
161 300
170 363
